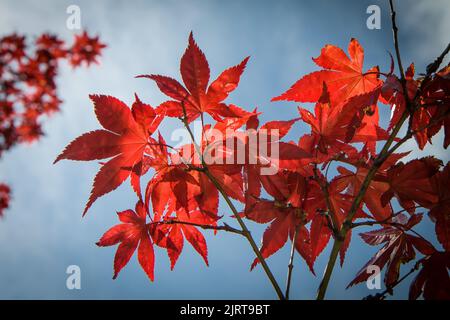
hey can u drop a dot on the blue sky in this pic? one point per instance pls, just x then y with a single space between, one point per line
43 231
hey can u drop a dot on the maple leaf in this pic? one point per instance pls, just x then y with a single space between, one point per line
392 93
337 206
124 139
342 75
434 108
259 144
433 103
398 248
250 152
334 125
131 233
320 235
197 97
440 210
285 215
411 182
85 49
177 228
177 179
432 281
172 183
372 197
377 187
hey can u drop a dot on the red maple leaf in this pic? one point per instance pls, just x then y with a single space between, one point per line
198 97
439 212
124 139
85 49
285 213
335 125
398 248
432 281
432 104
372 197
342 75
338 205
411 183
133 231
172 183
182 226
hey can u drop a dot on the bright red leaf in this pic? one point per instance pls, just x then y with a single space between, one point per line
132 233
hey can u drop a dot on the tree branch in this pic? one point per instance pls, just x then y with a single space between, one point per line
224 227
301 212
291 262
396 45
243 226
434 66
324 188
384 221
247 234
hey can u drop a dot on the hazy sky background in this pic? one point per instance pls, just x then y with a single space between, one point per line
43 231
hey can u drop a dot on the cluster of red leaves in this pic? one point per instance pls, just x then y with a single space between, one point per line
298 201
28 90
27 81
5 194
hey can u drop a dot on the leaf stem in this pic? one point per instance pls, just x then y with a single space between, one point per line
291 262
224 227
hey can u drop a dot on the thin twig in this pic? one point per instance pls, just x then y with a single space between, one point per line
291 262
224 227
434 66
294 240
396 45
324 188
384 221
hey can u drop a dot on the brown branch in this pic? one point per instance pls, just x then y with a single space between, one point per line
230 204
324 188
434 66
291 262
396 45
247 234
224 227
384 221
294 240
